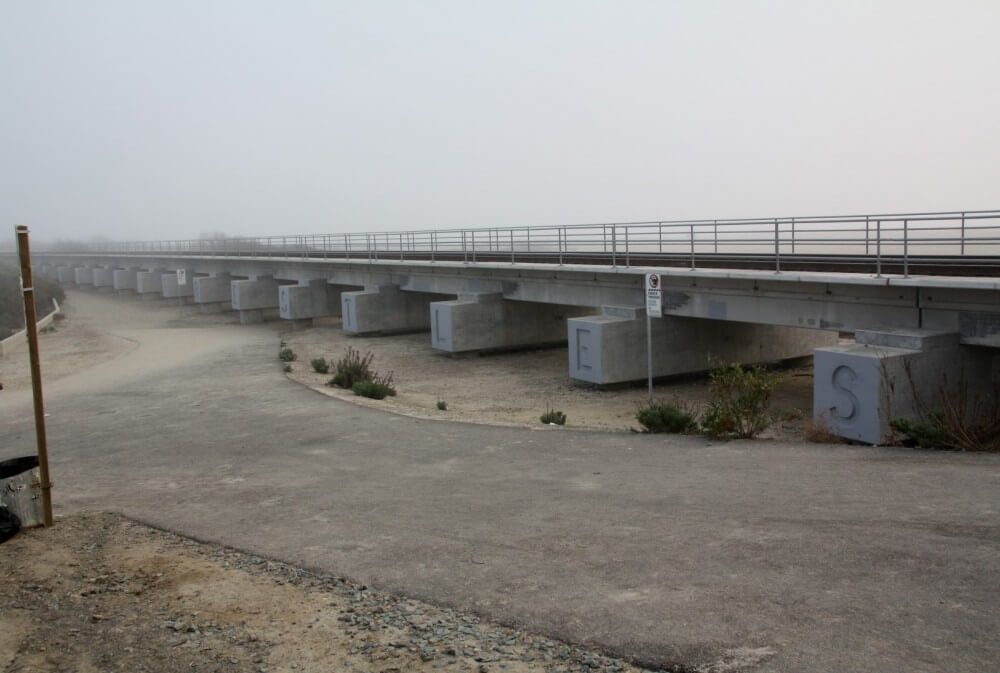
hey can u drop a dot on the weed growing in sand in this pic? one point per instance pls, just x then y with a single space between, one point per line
320 366
442 405
553 417
377 388
287 355
351 368
676 417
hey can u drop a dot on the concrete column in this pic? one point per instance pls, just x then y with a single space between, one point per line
386 308
104 278
125 280
172 289
214 294
858 388
611 347
83 275
252 297
302 303
148 284
66 274
476 322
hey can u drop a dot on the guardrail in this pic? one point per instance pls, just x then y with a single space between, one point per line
900 237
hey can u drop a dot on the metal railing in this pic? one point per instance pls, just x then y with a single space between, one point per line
880 238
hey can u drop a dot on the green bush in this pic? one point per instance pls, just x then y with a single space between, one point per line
287 355
738 400
376 388
663 417
320 366
351 368
442 405
928 434
553 416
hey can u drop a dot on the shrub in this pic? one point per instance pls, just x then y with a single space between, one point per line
320 366
442 405
377 388
962 421
287 355
551 416
352 368
663 417
738 400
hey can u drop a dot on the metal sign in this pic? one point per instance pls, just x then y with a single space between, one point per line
182 277
654 296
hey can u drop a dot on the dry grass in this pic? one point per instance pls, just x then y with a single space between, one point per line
817 430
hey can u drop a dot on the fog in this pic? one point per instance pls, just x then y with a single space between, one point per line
145 120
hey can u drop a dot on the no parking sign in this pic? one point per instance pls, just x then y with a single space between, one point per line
654 296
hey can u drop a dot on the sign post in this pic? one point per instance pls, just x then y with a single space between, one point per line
654 307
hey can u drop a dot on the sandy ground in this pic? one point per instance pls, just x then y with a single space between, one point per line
97 592
515 388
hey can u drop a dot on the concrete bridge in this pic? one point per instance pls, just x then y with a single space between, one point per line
920 293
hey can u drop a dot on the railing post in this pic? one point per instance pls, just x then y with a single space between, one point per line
628 259
400 246
777 248
867 235
715 235
878 248
527 233
347 247
433 245
512 246
793 235
906 248
562 242
465 253
472 232
614 245
659 235
963 235
691 235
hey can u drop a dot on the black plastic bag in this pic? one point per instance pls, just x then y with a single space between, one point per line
9 524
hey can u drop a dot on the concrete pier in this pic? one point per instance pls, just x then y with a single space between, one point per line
316 299
83 275
476 322
173 289
213 294
252 297
148 284
888 374
610 347
103 278
386 308
124 280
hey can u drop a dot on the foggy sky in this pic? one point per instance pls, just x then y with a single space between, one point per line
168 119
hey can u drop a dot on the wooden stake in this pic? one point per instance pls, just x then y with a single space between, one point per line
31 326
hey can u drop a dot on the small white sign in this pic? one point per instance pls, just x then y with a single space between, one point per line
182 278
654 296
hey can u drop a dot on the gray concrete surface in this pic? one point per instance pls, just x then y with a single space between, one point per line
663 549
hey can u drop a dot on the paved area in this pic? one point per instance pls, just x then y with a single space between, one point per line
667 550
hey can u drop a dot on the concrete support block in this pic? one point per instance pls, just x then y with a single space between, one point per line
125 280
252 297
66 274
611 347
887 374
477 322
302 303
172 288
83 275
386 308
214 294
104 278
149 284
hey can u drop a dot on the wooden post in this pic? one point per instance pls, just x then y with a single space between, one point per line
31 326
